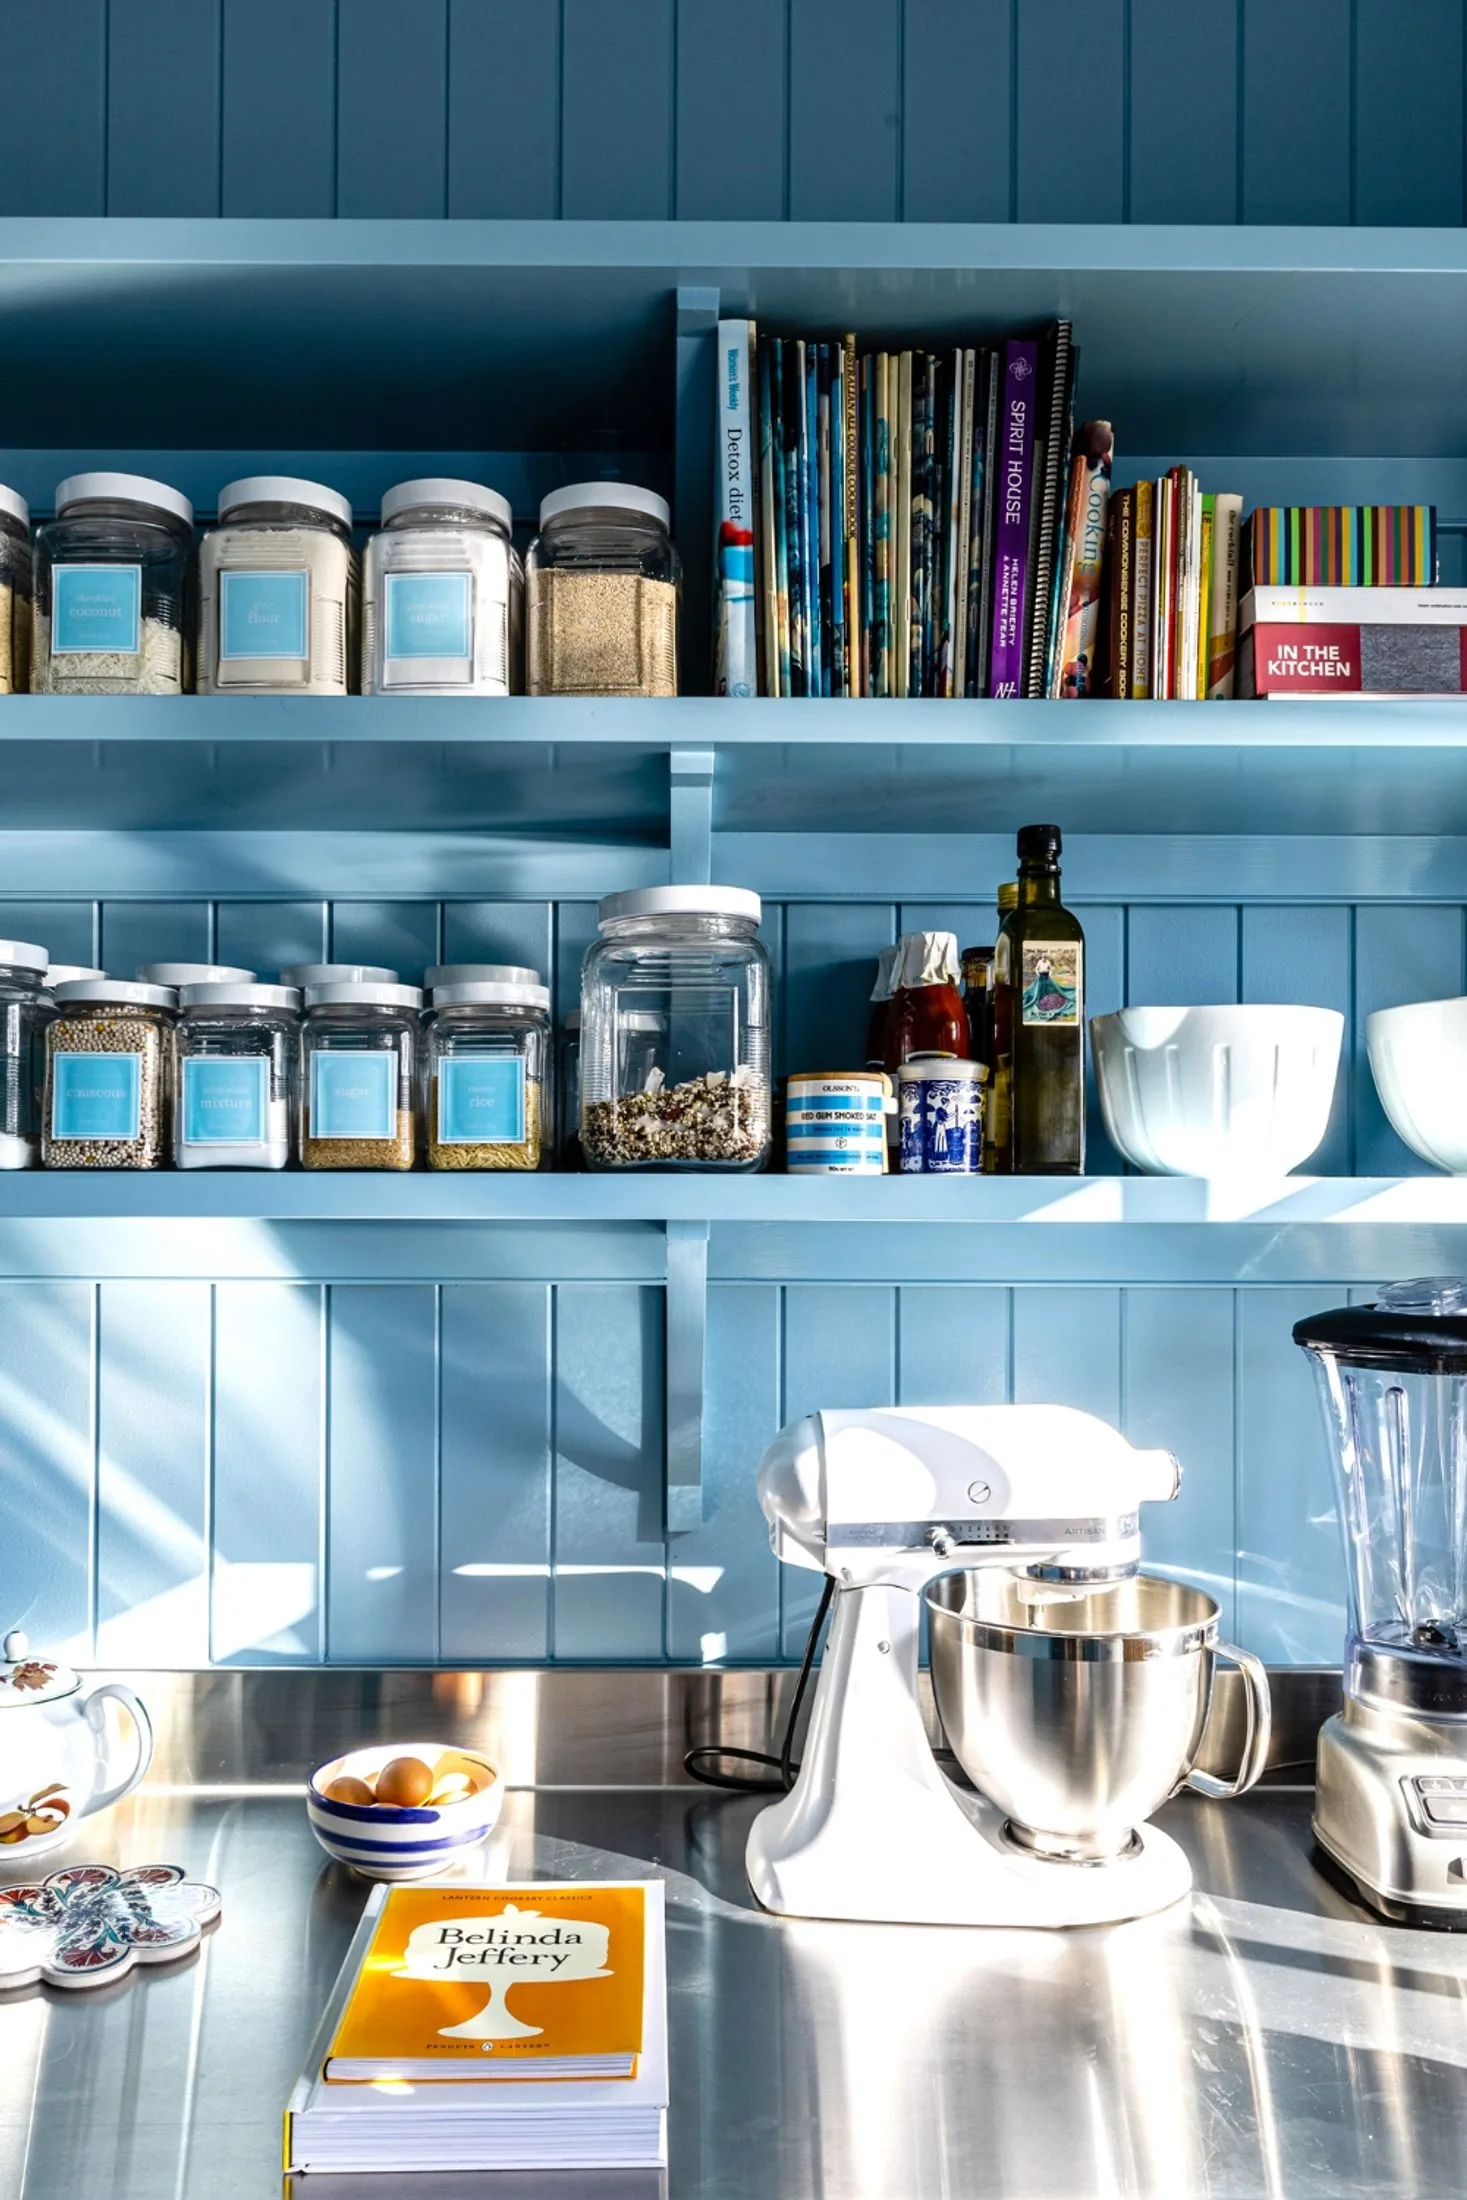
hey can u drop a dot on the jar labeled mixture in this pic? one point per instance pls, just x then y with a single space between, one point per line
602 581
443 594
278 590
675 1032
359 1058
106 1096
489 1077
24 1008
113 589
15 593
235 1051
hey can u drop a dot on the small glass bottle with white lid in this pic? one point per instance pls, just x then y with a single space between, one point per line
602 580
443 593
235 1052
278 590
113 589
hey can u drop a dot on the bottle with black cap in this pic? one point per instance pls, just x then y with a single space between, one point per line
1039 1022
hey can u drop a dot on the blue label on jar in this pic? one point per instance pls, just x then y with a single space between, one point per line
96 1096
428 615
263 615
481 1101
96 607
224 1099
354 1095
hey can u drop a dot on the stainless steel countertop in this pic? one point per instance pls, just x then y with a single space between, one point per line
1266 2039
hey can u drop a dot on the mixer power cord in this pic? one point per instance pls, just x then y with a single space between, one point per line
699 1763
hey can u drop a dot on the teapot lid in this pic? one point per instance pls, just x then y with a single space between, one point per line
27 1680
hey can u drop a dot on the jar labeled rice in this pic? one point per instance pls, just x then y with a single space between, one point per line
489 1077
602 579
113 589
359 1064
235 1055
278 590
106 1102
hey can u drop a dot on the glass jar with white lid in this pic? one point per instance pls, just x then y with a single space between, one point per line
108 1050
443 593
15 592
490 1088
359 1076
675 1016
182 974
235 1051
602 580
278 590
113 604
302 975
24 1008
480 974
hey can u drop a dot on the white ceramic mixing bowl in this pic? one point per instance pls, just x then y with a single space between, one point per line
1217 1091
1418 1057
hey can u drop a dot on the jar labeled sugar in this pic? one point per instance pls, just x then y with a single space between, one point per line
359 1066
489 1077
107 1059
234 1084
443 593
113 589
602 580
278 590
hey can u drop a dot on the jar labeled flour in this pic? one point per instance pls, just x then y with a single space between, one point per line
278 590
602 580
113 589
443 596
107 1059
235 1055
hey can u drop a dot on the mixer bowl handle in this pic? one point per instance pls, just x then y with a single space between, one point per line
1256 1734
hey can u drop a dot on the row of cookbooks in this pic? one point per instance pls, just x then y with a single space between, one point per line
515 2027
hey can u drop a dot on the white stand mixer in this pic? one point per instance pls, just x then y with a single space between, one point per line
884 1501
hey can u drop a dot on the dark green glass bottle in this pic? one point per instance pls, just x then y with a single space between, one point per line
1039 1019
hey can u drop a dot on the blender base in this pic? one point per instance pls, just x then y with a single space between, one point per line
1390 1812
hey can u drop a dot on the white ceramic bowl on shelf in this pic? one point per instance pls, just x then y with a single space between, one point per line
1217 1091
1418 1058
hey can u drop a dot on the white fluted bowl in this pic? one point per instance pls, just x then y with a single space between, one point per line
387 1841
1217 1091
1418 1058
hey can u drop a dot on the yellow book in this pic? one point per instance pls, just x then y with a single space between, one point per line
538 1982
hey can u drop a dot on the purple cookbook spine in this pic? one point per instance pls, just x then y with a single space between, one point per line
1011 534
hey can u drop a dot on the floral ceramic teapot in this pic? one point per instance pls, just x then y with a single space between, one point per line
55 1762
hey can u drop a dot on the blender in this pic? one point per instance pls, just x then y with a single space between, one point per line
1391 1800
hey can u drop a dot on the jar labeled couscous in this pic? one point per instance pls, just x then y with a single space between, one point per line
107 1060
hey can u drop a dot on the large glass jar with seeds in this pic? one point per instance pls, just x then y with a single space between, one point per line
489 1101
113 589
359 1073
602 580
675 1021
108 1054
278 597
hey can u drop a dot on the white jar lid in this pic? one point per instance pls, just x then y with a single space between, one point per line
363 996
14 503
469 496
681 901
614 496
126 488
70 973
304 974
115 993
480 974
177 974
939 1066
283 489
21 955
491 996
239 996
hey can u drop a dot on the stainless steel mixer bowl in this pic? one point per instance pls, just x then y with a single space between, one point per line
1077 1712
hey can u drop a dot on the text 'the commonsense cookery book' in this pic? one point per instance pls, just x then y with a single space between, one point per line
513 2027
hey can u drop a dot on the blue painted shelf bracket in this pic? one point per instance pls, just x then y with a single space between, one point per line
697 329
687 1333
690 805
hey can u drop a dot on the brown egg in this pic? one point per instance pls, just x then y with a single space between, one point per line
404 1782
345 1788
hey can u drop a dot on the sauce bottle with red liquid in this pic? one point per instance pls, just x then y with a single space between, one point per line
927 1015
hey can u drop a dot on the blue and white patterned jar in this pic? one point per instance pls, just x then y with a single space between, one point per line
835 1124
941 1114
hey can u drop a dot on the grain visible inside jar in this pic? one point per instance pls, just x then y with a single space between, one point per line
103 1031
714 1118
363 1153
602 634
486 1154
155 668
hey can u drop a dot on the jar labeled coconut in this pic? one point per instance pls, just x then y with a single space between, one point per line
489 1077
359 1063
674 1058
24 1009
602 581
278 590
234 1083
113 589
107 1059
15 593
443 594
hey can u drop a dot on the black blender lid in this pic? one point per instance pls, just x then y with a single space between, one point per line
1418 1327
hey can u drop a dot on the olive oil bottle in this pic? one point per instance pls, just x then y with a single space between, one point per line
1039 1021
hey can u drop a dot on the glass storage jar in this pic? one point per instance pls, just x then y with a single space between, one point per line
108 1053
490 1086
114 589
480 974
15 593
302 975
179 975
359 1067
675 1018
278 590
443 593
24 1009
234 1056
602 580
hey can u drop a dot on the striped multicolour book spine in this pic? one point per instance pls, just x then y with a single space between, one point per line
1343 546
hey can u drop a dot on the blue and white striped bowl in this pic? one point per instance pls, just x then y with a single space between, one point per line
387 1841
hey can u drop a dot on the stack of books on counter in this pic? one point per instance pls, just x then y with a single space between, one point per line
479 2028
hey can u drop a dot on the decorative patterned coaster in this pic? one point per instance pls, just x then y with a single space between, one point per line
88 1925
